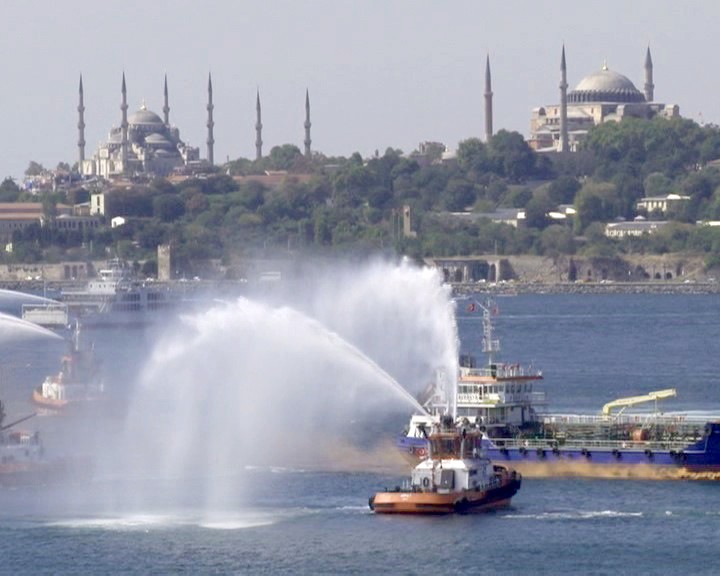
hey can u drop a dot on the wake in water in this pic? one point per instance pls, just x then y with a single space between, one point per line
589 470
314 382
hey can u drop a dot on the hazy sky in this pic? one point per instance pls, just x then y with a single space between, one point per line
380 72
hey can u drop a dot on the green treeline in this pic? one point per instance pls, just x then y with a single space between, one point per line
328 205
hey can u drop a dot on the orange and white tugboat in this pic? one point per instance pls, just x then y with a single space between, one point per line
457 476
79 379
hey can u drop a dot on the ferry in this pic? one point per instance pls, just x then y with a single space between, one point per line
506 401
457 476
117 298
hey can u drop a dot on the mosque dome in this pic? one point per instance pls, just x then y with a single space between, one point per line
605 86
144 117
156 139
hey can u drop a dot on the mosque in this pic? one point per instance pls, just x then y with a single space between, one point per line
145 144
602 96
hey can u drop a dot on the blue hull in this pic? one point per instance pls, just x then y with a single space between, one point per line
700 456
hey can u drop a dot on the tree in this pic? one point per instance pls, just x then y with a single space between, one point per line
472 156
283 157
9 191
458 195
168 207
49 205
34 169
510 156
196 203
536 211
595 202
557 239
77 196
136 201
657 184
563 190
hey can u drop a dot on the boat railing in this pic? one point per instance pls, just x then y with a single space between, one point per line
534 444
622 419
51 314
504 371
501 398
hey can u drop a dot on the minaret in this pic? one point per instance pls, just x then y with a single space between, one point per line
124 126
307 124
81 127
649 86
166 106
258 129
488 102
210 123
563 146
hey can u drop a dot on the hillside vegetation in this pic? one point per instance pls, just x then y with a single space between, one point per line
355 205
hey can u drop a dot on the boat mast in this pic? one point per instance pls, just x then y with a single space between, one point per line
490 346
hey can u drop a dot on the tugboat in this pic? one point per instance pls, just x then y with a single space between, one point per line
79 379
457 477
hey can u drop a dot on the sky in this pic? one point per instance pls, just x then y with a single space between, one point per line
380 73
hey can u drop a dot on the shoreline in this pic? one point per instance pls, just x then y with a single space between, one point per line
509 288
514 288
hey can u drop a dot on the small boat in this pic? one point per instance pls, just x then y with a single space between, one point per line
21 453
457 476
23 460
79 379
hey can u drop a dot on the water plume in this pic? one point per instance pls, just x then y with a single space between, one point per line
313 379
13 328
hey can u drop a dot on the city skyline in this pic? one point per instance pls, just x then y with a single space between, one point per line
379 74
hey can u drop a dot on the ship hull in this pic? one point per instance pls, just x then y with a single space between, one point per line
699 456
50 403
462 502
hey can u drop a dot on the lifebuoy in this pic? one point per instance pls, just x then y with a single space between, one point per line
426 482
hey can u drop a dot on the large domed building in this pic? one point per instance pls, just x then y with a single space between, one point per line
602 96
143 144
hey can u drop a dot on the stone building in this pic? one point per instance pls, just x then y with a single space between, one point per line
143 143
602 96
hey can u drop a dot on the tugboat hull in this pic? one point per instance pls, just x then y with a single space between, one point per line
465 502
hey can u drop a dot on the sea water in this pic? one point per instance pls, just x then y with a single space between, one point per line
295 520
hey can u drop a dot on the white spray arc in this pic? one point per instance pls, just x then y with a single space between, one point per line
253 383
